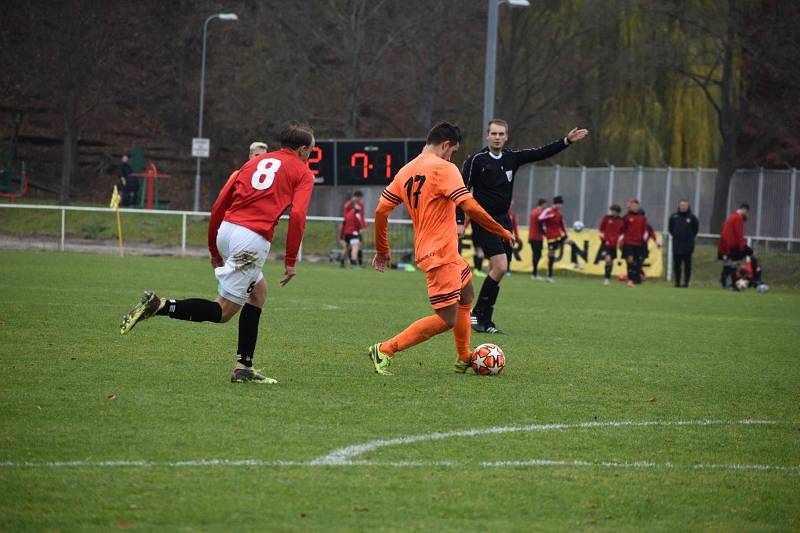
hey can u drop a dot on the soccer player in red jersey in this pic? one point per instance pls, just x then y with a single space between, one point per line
430 187
732 246
535 236
554 231
243 220
650 235
633 235
354 222
609 230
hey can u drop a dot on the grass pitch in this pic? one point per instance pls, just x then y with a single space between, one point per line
99 431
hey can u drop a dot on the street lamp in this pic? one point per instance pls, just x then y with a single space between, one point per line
491 55
220 16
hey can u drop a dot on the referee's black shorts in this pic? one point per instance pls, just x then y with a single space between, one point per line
490 243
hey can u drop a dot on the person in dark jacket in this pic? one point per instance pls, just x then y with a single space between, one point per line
683 227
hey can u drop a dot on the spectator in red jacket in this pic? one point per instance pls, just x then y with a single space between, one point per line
609 229
535 236
732 246
633 235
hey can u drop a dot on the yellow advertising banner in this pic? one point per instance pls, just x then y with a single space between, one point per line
582 256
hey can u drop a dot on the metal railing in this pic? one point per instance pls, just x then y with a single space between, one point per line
667 244
183 214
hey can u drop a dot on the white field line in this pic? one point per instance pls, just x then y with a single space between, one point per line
529 463
349 453
347 456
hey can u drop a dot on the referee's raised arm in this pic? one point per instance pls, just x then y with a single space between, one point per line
529 155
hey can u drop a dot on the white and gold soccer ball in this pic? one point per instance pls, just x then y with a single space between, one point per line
488 360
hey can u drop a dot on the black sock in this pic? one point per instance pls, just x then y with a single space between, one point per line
608 270
550 262
248 334
478 260
486 298
492 300
194 309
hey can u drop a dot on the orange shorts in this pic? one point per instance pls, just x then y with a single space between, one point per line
446 281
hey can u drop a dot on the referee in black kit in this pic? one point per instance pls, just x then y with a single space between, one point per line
489 174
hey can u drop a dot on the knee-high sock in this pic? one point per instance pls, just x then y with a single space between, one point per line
550 261
486 298
193 309
461 332
609 266
248 334
420 331
478 261
631 268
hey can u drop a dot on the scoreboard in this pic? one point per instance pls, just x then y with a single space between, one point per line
361 161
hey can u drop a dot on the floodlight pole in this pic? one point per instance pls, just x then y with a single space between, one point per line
221 16
491 55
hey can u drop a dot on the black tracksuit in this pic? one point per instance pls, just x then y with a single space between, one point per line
683 228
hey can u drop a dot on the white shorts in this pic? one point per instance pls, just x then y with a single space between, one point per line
245 253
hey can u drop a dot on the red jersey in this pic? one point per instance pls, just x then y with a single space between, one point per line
260 193
634 229
553 220
512 217
731 237
354 220
650 233
610 228
534 233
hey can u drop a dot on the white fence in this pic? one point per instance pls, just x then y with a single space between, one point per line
588 191
405 245
183 214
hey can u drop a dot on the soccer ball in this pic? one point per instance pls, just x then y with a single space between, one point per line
577 225
762 287
487 360
741 284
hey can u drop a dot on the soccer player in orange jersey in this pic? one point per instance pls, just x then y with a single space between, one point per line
430 186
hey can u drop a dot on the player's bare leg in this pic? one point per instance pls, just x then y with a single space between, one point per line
354 248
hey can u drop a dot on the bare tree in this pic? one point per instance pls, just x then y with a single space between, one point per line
741 45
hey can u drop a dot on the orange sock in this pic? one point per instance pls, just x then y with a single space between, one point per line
420 331
461 332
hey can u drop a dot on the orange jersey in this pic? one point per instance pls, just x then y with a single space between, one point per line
430 188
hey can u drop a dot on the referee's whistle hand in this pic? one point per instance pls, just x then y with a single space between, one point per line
576 134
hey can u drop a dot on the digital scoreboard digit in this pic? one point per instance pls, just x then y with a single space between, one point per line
361 162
